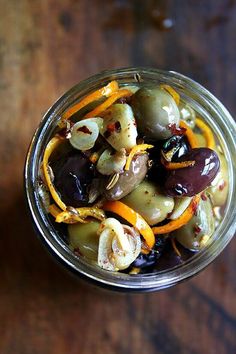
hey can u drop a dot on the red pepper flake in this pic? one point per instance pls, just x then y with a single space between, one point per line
203 196
84 130
66 132
124 100
222 185
176 131
63 133
117 127
77 252
194 207
111 128
197 229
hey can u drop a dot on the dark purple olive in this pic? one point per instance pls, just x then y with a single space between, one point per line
189 181
73 175
149 260
129 180
169 259
175 147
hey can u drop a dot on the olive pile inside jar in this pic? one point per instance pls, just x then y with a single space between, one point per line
137 178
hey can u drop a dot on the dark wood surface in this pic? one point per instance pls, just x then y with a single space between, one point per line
45 48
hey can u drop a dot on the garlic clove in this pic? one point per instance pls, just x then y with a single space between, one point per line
110 162
119 127
85 133
119 245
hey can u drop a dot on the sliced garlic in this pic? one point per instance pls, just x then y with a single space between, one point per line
85 133
181 205
110 162
119 245
119 127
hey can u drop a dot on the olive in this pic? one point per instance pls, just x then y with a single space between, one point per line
128 180
218 189
155 111
149 202
187 114
191 180
169 259
175 147
84 239
198 231
73 175
149 260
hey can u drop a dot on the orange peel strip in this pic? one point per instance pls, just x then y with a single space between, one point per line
172 92
63 216
69 218
96 95
51 146
207 133
180 221
135 219
177 165
141 148
103 106
79 215
54 210
189 134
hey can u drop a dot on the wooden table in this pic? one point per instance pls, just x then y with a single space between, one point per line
46 47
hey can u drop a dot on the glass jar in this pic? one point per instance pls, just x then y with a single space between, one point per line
207 106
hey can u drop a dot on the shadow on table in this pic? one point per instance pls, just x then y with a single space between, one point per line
26 261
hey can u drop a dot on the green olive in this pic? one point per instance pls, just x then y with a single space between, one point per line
198 231
155 111
85 238
147 200
219 186
187 114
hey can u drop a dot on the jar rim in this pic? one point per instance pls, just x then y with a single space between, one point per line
222 121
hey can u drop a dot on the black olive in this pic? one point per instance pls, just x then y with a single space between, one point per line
73 175
170 259
149 260
178 145
189 181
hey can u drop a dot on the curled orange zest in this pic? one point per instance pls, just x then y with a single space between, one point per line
96 95
177 165
135 150
103 106
51 146
54 210
76 214
172 92
189 134
207 132
180 221
133 218
63 215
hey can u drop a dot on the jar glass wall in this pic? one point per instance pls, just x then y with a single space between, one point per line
206 105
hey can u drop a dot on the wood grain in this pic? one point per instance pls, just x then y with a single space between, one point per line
46 47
